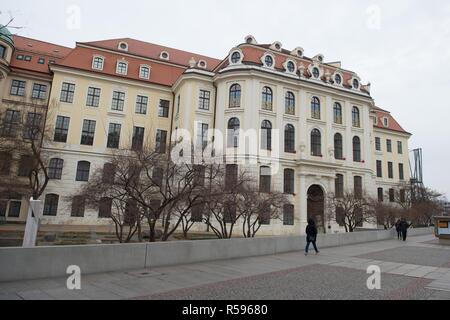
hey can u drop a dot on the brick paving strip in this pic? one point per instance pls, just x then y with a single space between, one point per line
411 270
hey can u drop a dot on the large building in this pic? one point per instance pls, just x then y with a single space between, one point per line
318 128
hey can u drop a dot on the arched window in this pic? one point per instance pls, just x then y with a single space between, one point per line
235 57
234 126
316 143
356 149
55 168
267 98
337 113
289 182
268 60
289 138
290 103
355 117
315 108
338 79
235 96
83 171
339 186
51 205
266 135
265 179
316 72
290 66
338 147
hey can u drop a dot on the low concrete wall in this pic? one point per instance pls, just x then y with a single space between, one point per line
50 262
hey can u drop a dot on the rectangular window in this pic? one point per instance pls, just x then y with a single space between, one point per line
61 129
161 140
88 133
391 170
402 196
141 104
231 176
163 111
204 100
26 165
32 129
5 163
78 207
51 205
28 58
41 61
379 169
199 175
197 212
401 171
264 216
2 52
104 208
389 145
400 147
202 135
39 91
114 135
178 104
17 88
378 144
380 195
93 97
122 68
67 92
144 72
10 123
14 209
138 138
358 187
391 195
265 180
288 215
118 101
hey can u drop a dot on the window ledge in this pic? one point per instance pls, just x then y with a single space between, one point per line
291 117
116 113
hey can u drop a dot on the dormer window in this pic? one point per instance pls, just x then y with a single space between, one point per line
2 52
202 64
316 72
268 60
355 84
276 46
338 79
123 46
297 52
164 55
290 66
122 67
97 63
144 72
385 122
250 40
236 57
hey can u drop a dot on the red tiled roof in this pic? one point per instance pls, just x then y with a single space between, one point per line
81 58
36 49
153 51
393 124
253 54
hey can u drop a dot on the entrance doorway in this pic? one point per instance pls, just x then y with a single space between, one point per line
316 207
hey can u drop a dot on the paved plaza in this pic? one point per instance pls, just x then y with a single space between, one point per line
416 269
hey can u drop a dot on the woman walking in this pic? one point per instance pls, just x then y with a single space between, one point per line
311 236
398 228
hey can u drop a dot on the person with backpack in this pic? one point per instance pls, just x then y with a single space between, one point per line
311 236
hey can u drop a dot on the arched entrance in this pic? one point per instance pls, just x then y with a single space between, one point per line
316 206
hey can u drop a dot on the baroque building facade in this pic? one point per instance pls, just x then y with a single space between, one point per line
313 127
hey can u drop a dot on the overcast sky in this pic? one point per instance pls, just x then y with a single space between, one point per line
401 47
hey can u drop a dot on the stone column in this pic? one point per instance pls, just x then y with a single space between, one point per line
303 203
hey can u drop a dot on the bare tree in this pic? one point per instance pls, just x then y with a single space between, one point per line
23 129
387 214
350 210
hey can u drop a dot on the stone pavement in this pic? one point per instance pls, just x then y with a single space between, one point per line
416 269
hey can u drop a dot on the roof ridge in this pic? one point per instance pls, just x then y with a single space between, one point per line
42 41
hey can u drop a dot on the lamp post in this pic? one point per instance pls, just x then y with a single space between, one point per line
31 229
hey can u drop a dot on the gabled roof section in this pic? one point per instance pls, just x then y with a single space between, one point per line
153 51
393 125
36 49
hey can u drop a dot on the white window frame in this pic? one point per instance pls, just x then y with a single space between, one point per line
202 64
103 62
117 67
342 79
140 71
311 67
120 44
263 60
161 55
231 54
285 65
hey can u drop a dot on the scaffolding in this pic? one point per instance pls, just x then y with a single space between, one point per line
416 167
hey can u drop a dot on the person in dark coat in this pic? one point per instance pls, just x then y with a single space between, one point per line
399 230
311 236
404 226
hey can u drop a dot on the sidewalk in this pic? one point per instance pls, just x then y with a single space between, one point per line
416 269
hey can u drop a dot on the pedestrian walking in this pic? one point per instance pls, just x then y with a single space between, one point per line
311 236
404 226
398 229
